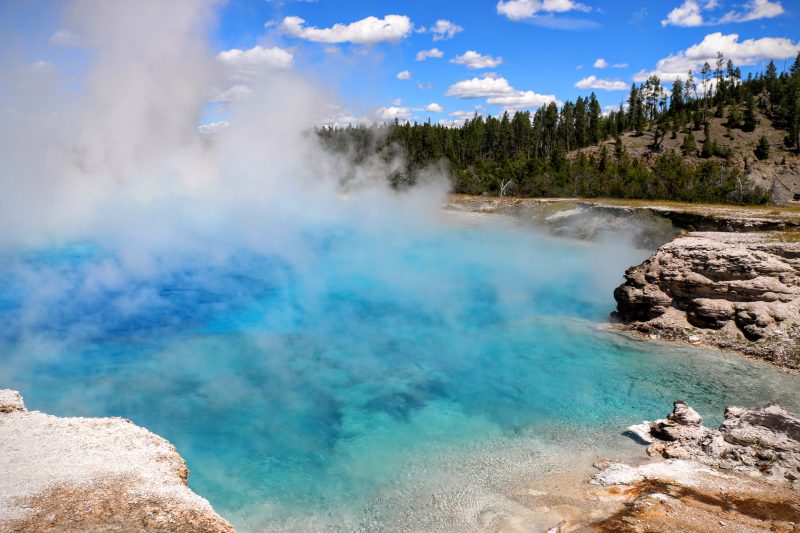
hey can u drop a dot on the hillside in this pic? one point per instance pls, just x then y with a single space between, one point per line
780 171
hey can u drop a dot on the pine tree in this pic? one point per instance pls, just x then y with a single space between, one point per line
595 116
708 143
619 148
689 145
734 116
762 150
676 98
750 121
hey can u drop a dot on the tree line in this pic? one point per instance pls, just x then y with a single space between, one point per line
535 154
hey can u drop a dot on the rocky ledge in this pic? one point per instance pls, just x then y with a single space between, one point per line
736 291
740 477
93 474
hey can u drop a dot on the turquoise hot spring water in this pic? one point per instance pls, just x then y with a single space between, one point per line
369 379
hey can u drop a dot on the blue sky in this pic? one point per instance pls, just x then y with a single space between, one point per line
524 52
546 47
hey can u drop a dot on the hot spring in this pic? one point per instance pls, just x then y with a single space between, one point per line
399 376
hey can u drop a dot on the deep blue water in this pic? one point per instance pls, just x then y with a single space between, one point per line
307 384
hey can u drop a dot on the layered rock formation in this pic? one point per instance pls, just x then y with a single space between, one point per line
764 441
740 477
93 474
738 291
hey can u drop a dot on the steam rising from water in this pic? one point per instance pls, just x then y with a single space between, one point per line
112 150
325 352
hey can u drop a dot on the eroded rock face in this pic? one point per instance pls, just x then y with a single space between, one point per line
732 290
764 440
93 474
740 477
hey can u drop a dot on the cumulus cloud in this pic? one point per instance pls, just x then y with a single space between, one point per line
754 10
393 112
422 55
368 31
523 9
473 60
523 100
687 15
600 63
424 86
462 114
499 92
690 13
485 87
742 53
444 29
434 108
604 85
247 63
404 75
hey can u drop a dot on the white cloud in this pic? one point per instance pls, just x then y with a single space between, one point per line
64 38
370 30
397 101
212 128
600 63
523 9
422 55
754 10
620 65
434 108
485 87
687 15
391 113
41 66
424 86
404 75
473 60
463 114
523 100
690 13
256 60
444 29
499 92
604 85
232 94
747 52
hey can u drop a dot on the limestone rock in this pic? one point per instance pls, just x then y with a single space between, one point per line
93 474
764 441
770 427
684 415
737 291
10 401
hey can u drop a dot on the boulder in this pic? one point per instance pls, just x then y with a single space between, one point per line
743 289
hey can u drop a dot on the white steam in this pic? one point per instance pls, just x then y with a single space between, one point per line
115 148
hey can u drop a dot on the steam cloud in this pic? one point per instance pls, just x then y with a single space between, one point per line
116 149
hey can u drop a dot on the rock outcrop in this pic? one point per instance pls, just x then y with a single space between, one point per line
763 441
729 290
740 477
92 475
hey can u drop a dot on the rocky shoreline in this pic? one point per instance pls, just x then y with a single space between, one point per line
734 291
93 475
740 477
734 285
